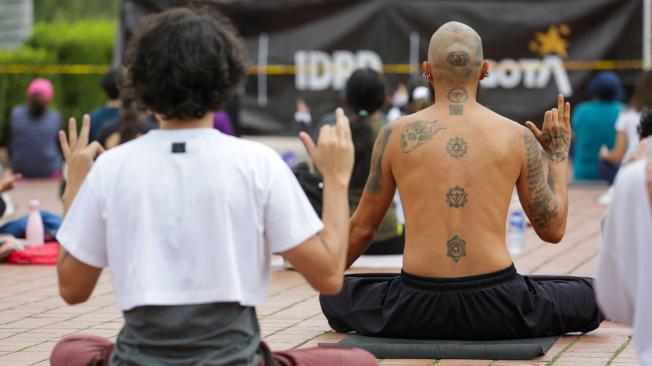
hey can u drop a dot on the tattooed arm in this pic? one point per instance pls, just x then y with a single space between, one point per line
376 198
543 183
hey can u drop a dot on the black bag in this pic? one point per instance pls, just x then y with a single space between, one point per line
312 184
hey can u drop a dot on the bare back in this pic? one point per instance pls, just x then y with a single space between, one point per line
455 176
456 164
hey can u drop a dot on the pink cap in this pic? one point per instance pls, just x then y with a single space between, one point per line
43 87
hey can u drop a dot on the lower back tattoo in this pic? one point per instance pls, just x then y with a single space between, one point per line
456 248
374 181
417 133
543 205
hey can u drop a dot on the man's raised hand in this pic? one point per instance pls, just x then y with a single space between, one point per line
555 136
77 151
333 154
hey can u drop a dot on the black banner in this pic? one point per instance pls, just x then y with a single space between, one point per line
307 49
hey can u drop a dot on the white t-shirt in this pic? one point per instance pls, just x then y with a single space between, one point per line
628 121
188 227
624 271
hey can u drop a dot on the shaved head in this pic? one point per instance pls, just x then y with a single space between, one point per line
455 53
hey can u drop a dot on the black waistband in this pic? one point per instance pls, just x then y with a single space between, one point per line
458 283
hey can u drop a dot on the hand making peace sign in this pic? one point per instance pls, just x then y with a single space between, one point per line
77 152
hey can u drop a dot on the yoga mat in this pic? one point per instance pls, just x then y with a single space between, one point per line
514 349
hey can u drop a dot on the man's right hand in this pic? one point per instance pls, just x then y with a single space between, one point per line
333 155
555 135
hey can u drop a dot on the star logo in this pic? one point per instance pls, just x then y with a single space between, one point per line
456 197
552 41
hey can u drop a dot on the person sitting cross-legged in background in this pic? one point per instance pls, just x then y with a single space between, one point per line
186 218
33 133
627 124
456 164
594 126
366 94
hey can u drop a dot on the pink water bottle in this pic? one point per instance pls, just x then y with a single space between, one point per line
34 230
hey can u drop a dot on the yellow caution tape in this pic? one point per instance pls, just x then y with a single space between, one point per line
571 65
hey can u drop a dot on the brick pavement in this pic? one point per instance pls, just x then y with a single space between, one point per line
33 317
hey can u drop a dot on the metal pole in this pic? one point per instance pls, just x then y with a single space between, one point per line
414 52
647 36
263 44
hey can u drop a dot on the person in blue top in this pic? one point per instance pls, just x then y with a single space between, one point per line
594 124
110 111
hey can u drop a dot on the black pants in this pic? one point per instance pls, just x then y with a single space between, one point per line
499 305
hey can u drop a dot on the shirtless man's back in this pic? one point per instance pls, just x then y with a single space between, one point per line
455 189
455 165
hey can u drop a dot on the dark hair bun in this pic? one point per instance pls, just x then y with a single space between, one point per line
366 91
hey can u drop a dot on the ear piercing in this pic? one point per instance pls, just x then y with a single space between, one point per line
486 74
425 75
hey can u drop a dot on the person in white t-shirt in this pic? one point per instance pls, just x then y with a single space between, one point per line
186 218
622 284
627 137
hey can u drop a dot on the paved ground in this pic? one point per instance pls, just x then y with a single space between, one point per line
33 318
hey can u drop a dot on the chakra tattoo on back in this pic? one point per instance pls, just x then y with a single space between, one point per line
457 197
456 147
456 248
417 133
457 95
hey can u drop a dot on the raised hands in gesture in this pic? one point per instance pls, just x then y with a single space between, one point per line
79 155
333 154
555 136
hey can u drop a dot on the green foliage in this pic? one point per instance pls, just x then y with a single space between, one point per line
49 10
60 43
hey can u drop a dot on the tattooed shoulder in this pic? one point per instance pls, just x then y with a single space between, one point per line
374 182
417 133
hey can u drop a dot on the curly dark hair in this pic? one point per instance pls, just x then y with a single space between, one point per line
185 63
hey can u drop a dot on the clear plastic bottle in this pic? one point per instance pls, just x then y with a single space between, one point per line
516 227
34 232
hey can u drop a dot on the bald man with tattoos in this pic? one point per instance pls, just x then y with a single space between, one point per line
455 165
